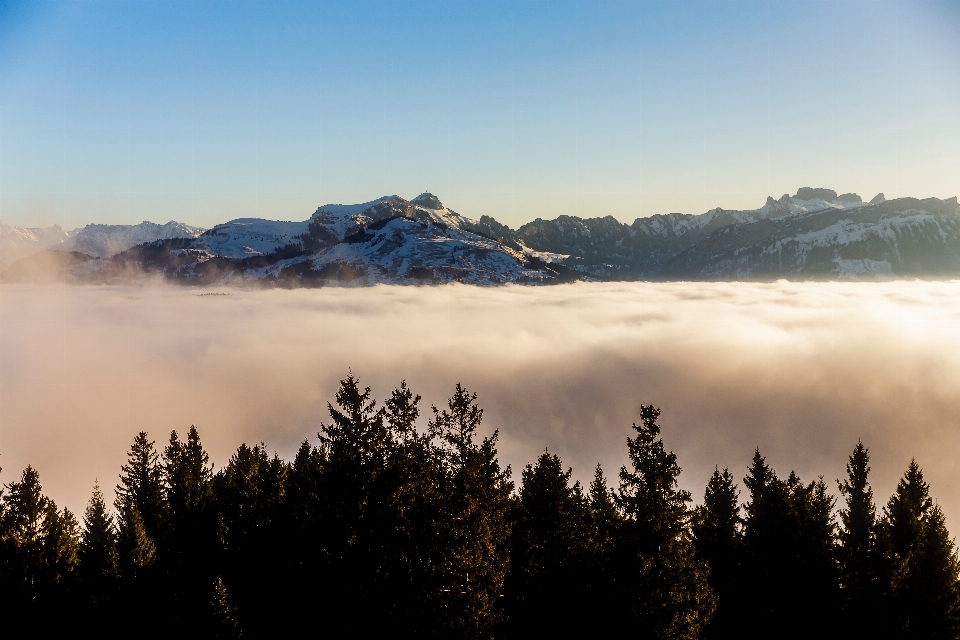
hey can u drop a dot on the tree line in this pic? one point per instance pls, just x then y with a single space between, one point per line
384 527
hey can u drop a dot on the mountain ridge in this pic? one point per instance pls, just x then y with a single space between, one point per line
814 234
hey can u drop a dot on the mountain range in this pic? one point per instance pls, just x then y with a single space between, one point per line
814 234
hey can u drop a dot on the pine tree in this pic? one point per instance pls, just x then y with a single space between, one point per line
718 537
858 551
665 586
549 557
98 549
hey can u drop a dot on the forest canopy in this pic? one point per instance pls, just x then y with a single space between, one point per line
382 526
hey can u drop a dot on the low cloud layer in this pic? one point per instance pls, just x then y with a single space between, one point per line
801 370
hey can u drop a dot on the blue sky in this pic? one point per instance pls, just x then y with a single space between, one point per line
202 112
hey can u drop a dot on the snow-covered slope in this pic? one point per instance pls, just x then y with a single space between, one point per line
813 234
246 237
19 242
105 240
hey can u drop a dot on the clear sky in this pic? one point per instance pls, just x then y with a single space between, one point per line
201 112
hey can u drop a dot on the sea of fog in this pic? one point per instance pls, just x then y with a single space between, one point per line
800 370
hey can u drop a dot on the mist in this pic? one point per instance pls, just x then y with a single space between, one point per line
800 370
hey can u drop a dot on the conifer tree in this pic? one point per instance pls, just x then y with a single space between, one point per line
357 443
718 537
929 593
604 523
789 555
858 551
222 617
305 551
188 550
98 549
408 521
549 558
136 551
923 565
250 497
666 590
141 487
476 517
40 546
905 514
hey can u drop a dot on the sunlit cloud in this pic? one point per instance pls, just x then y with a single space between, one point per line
801 370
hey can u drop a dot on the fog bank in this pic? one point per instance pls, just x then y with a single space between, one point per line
802 370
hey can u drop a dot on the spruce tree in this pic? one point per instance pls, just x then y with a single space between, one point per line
188 550
408 522
718 537
250 497
770 587
136 551
923 567
929 592
789 555
141 487
221 621
357 442
40 551
98 550
547 583
604 524
858 550
665 586
475 514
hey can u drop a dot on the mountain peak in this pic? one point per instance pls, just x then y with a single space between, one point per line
428 201
808 193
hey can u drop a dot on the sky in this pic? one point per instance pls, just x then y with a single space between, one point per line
202 112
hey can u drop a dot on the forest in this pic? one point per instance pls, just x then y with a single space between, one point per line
385 527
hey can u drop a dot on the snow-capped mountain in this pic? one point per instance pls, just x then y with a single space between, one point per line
385 240
814 234
105 240
19 242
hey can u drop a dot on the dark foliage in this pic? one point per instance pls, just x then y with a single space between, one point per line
386 528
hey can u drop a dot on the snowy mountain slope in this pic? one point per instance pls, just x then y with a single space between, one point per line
105 240
815 234
246 237
900 237
386 240
17 243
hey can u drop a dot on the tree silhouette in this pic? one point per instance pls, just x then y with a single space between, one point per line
665 589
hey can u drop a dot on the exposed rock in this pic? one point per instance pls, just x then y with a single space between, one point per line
809 193
428 201
850 197
877 199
